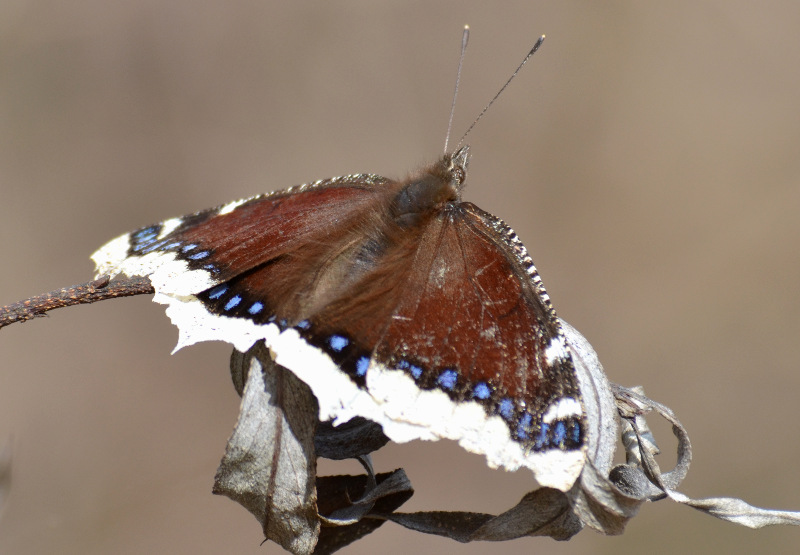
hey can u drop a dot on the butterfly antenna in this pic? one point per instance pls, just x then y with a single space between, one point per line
464 40
519 67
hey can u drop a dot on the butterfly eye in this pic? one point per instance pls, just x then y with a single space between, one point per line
457 166
459 175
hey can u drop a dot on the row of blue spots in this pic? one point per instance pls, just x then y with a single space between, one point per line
447 380
145 241
188 248
560 434
557 434
147 234
145 237
219 291
338 343
413 369
150 246
482 391
449 377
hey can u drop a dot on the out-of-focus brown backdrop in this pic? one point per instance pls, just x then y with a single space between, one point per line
649 157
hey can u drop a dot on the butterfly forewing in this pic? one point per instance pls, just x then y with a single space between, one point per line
230 240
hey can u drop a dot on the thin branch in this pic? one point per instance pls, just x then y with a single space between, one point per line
90 292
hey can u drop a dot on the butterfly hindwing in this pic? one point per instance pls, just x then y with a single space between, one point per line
465 325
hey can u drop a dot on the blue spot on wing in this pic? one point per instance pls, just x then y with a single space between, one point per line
481 391
217 291
412 369
506 409
524 426
559 433
146 233
576 432
199 255
255 308
233 302
541 439
338 342
361 365
140 246
447 379
152 246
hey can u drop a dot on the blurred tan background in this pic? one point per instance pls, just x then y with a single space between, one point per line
649 157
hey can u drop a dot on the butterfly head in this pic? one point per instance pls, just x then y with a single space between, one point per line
427 192
457 166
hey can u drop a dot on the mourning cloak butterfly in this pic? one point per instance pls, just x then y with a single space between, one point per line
393 300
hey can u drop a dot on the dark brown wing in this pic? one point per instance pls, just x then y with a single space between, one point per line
468 317
431 322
